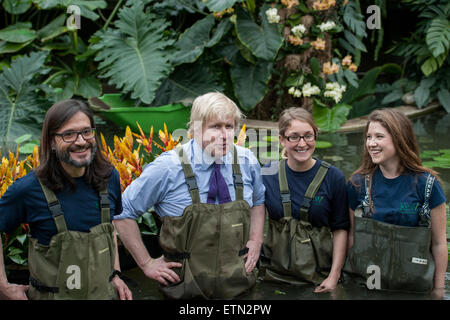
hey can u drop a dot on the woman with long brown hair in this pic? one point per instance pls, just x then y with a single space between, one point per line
392 186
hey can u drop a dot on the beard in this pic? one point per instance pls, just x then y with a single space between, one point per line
64 155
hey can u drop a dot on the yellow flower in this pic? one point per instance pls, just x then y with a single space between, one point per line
347 60
295 41
353 67
290 3
319 44
241 137
329 68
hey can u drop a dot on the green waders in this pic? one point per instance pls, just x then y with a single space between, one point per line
391 257
75 265
294 251
209 241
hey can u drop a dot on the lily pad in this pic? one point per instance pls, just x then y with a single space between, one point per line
323 144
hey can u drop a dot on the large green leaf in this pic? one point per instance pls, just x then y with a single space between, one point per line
19 102
18 33
187 82
250 81
327 119
87 7
264 41
444 98
219 5
438 36
421 95
16 6
194 40
134 56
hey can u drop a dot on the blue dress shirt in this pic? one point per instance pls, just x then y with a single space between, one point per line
162 184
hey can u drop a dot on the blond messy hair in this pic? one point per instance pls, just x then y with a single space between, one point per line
213 105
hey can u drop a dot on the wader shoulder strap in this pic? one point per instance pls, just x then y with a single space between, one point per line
104 205
284 189
55 208
312 190
237 176
424 213
189 175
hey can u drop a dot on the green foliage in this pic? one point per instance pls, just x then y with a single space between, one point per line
436 159
21 101
427 50
134 55
263 41
330 120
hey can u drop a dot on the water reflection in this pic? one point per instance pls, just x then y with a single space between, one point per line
432 132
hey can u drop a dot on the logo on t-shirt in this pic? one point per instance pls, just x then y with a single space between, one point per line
408 207
317 200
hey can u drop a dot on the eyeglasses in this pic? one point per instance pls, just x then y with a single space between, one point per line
72 136
307 137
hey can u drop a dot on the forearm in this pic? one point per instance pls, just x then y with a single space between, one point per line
257 216
116 259
339 252
440 255
131 238
3 279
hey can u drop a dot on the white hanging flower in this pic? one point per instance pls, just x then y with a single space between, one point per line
298 30
309 90
334 90
272 15
326 26
291 90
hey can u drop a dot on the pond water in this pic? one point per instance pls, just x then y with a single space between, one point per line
433 132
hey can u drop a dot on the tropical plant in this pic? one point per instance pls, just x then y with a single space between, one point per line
15 244
22 101
426 52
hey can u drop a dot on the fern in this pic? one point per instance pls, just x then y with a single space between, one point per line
134 55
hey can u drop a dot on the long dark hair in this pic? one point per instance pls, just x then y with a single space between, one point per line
400 128
50 171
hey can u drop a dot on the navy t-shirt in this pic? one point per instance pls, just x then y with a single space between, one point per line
24 202
396 201
328 208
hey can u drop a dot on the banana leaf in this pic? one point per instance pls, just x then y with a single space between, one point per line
21 108
134 56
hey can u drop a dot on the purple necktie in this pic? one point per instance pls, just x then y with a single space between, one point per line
218 187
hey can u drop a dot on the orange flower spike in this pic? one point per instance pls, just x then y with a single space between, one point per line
128 137
241 137
166 134
35 156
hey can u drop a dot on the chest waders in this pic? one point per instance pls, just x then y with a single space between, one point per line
75 265
391 257
294 251
209 241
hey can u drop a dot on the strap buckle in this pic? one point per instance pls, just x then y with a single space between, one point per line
285 197
238 180
192 183
104 200
306 202
55 209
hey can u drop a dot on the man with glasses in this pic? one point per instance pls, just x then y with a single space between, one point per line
68 201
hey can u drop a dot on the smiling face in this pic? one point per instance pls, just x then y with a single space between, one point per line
299 153
218 136
380 146
75 156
